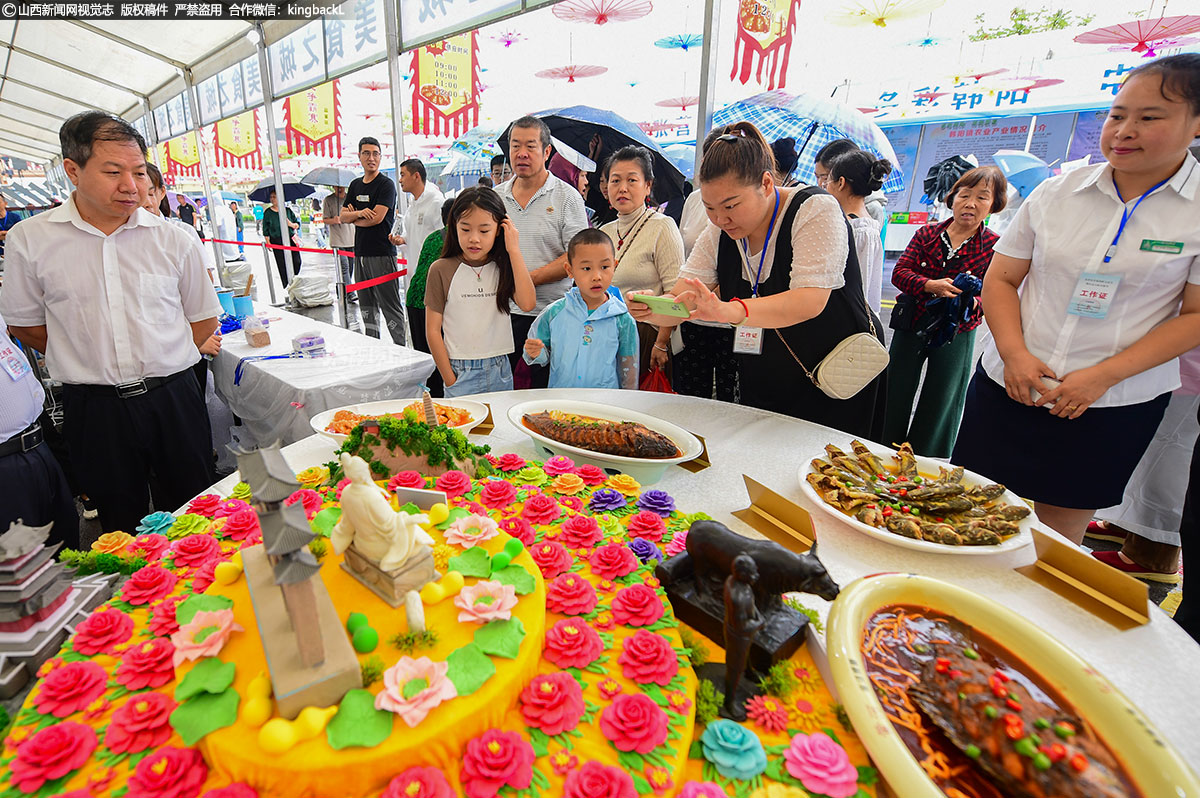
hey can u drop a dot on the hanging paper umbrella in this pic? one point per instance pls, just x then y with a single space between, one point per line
650 128
968 74
1138 34
992 85
372 85
508 37
681 41
928 41
1041 83
867 110
571 71
601 12
880 12
1152 48
682 103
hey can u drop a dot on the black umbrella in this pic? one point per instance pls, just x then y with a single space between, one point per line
942 176
575 126
291 191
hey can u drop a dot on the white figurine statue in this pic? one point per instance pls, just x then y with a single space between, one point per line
368 521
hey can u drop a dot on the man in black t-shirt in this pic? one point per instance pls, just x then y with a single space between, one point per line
187 213
371 207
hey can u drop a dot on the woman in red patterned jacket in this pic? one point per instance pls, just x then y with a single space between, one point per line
935 293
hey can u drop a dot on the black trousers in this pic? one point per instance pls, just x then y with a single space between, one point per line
281 264
1188 614
524 375
119 446
420 342
34 489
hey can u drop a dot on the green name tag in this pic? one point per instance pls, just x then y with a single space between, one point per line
1173 247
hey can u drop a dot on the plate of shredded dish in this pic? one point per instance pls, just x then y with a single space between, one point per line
460 414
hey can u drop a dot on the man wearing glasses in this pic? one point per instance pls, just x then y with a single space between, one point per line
371 207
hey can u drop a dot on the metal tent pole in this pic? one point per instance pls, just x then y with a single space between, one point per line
264 69
190 86
708 80
391 21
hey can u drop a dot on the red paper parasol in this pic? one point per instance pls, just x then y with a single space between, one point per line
1152 48
650 128
372 85
571 71
1040 83
508 37
682 103
1141 35
869 110
600 12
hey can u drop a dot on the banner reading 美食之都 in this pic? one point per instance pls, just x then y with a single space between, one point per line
311 121
445 80
764 38
183 156
235 141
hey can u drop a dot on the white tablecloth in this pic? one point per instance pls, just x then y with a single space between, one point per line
276 398
1156 665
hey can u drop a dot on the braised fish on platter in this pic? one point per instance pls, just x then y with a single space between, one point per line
622 438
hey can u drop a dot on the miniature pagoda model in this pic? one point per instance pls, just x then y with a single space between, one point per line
311 661
39 603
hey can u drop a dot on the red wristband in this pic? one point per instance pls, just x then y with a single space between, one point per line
745 310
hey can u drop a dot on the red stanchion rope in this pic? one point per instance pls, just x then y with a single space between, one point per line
374 281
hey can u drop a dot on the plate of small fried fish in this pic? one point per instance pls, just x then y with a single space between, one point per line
916 502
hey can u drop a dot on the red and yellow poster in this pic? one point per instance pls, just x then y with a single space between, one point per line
764 37
235 141
311 121
182 156
445 81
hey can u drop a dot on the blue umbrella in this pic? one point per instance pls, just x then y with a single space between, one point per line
291 190
576 125
683 156
1025 171
813 122
681 41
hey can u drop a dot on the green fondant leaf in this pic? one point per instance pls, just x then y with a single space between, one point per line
323 522
455 514
641 785
358 724
412 687
469 668
867 775
697 750
631 761
540 780
518 576
204 714
540 742
411 508
210 675
473 562
832 735
501 638
200 602
656 694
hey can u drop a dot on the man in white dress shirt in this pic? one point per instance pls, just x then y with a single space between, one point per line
424 214
119 301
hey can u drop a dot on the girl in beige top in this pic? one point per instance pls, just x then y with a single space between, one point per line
649 249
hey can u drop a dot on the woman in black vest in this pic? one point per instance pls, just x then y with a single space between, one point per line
785 276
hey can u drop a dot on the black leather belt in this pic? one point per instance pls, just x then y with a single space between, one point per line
128 390
31 438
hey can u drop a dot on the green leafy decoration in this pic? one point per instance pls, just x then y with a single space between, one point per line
357 723
777 770
518 576
867 775
1023 21
780 680
323 522
814 617
411 642
641 785
708 702
204 714
372 670
200 602
469 668
473 562
631 761
540 742
501 638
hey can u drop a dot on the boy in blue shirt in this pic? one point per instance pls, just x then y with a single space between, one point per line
588 336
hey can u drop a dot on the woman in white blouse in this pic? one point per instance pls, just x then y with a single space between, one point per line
853 176
649 249
1093 293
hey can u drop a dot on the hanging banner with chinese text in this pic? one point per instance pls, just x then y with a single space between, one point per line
183 156
764 37
235 141
310 121
445 81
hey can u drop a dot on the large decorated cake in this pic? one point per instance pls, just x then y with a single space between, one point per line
538 655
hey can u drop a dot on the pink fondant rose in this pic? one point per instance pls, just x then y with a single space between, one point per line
169 773
101 631
148 584
511 462
162 619
634 723
581 532
571 594
229 507
677 543
595 780
471 530
149 547
51 754
406 479
204 636
205 505
205 574
143 721
235 790
453 483
241 524
495 759
497 493
551 558
540 509
486 601
821 765
648 657
552 702
571 643
591 475
419 782
194 550
559 464
413 687
648 525
518 528
68 689
637 605
703 789
612 561
148 664
309 498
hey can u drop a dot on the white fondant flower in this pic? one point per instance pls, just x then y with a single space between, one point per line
484 602
413 687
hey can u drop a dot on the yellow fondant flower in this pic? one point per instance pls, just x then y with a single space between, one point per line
624 484
441 555
112 542
313 476
776 790
567 484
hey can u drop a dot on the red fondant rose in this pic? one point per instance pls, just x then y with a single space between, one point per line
144 721
591 475
571 594
551 558
559 464
495 759
511 462
162 619
70 688
169 773
540 509
147 664
552 702
406 479
648 657
595 780
205 574
235 790
419 782
453 483
634 723
149 584
307 497
229 507
51 754
149 547
612 561
101 631
241 524
497 493
648 525
194 550
519 528
637 605
571 643
205 505
581 532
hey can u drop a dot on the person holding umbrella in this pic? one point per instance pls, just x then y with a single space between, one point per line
274 235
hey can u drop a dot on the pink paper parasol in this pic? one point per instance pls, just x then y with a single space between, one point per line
650 128
508 37
1140 34
1040 83
571 71
372 85
1152 48
601 12
682 103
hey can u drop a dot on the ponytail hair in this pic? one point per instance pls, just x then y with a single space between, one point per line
487 199
738 150
864 172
